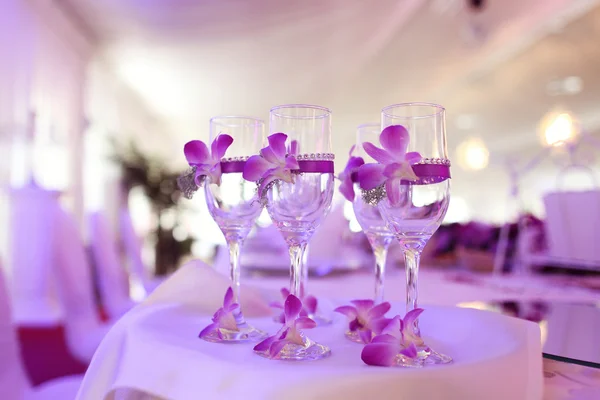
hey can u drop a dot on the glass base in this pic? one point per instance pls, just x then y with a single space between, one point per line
246 333
309 351
426 356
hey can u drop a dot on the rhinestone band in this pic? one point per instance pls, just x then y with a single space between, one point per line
316 157
235 159
437 161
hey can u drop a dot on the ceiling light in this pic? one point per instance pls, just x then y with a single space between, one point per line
558 128
473 154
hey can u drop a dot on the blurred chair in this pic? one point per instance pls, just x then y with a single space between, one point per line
83 327
572 227
131 242
112 278
14 384
32 212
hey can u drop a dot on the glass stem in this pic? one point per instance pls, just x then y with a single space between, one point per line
412 254
380 247
296 258
234 270
304 270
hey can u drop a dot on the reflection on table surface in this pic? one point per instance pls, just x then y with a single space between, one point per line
568 330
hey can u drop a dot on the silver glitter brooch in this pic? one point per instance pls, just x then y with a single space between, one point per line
187 183
374 196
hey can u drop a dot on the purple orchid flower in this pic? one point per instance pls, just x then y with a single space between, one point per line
291 332
347 186
224 317
273 163
309 305
397 338
366 318
207 163
393 165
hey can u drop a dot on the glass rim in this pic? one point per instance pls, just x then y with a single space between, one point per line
252 121
440 110
326 112
368 125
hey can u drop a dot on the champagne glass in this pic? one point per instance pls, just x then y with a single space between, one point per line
297 209
369 216
422 203
235 207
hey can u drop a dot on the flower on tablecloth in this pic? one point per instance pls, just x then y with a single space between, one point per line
397 338
274 163
309 305
290 332
366 318
224 317
394 163
346 177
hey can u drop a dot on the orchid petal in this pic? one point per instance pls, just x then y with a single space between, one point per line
285 292
228 298
276 347
310 304
379 155
353 163
280 318
378 325
227 321
347 190
293 306
291 163
348 311
196 152
394 327
413 157
208 330
351 152
255 168
384 339
277 144
284 174
371 176
354 325
294 148
379 310
401 170
394 139
410 351
411 316
268 154
265 344
362 305
365 336
219 146
393 189
275 304
233 307
214 174
305 323
380 353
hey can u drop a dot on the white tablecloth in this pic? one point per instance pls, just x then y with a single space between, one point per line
154 349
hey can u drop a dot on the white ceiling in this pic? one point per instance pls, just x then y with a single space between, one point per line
190 60
193 59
